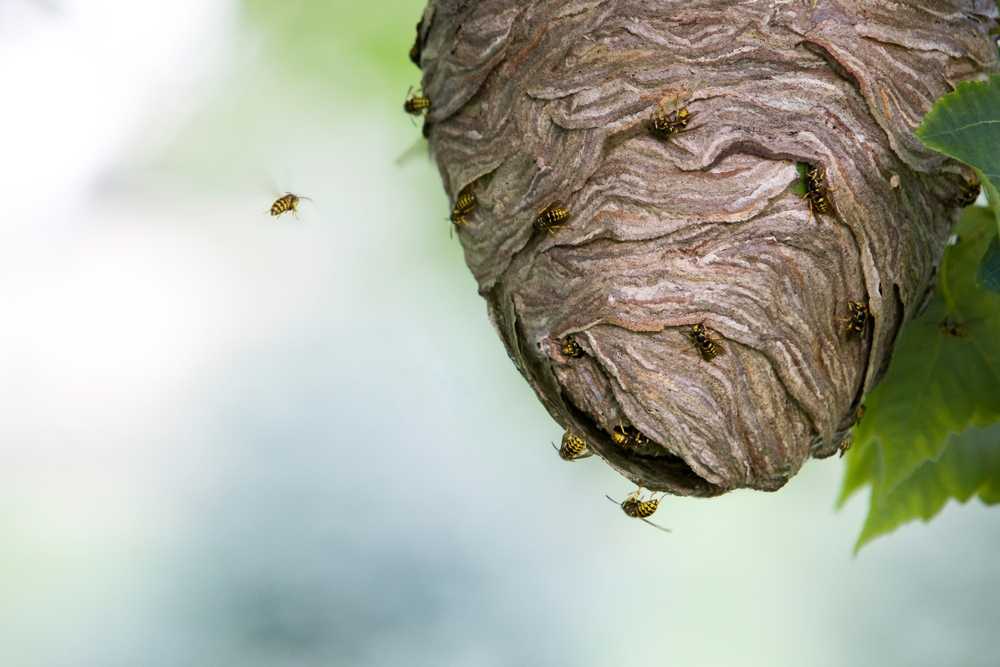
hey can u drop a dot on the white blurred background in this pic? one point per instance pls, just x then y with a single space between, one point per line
229 440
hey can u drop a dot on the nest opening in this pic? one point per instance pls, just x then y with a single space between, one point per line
663 472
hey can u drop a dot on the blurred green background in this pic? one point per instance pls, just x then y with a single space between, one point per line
228 440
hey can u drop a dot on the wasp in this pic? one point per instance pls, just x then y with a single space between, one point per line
846 444
551 218
708 348
858 318
815 179
664 124
638 508
570 348
287 202
465 204
817 194
950 327
417 47
628 437
416 103
849 439
573 447
968 195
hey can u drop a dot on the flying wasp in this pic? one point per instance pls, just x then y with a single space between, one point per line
708 348
857 320
551 218
416 103
573 447
287 202
664 124
817 194
637 508
570 348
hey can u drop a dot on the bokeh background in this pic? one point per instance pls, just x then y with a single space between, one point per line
226 440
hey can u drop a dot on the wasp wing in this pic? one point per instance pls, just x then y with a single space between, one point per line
411 153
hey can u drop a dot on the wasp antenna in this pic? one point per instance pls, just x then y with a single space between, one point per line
612 499
553 445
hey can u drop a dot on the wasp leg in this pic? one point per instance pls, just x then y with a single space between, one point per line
657 526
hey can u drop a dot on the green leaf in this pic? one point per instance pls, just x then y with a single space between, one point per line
965 125
969 466
863 466
989 269
799 187
938 384
992 196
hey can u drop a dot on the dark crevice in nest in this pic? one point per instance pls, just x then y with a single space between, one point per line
666 472
838 69
897 326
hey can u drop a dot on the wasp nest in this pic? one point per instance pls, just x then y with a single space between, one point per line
749 218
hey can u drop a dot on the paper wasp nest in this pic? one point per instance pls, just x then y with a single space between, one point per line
535 103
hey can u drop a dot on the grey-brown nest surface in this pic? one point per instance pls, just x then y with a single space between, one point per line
704 217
